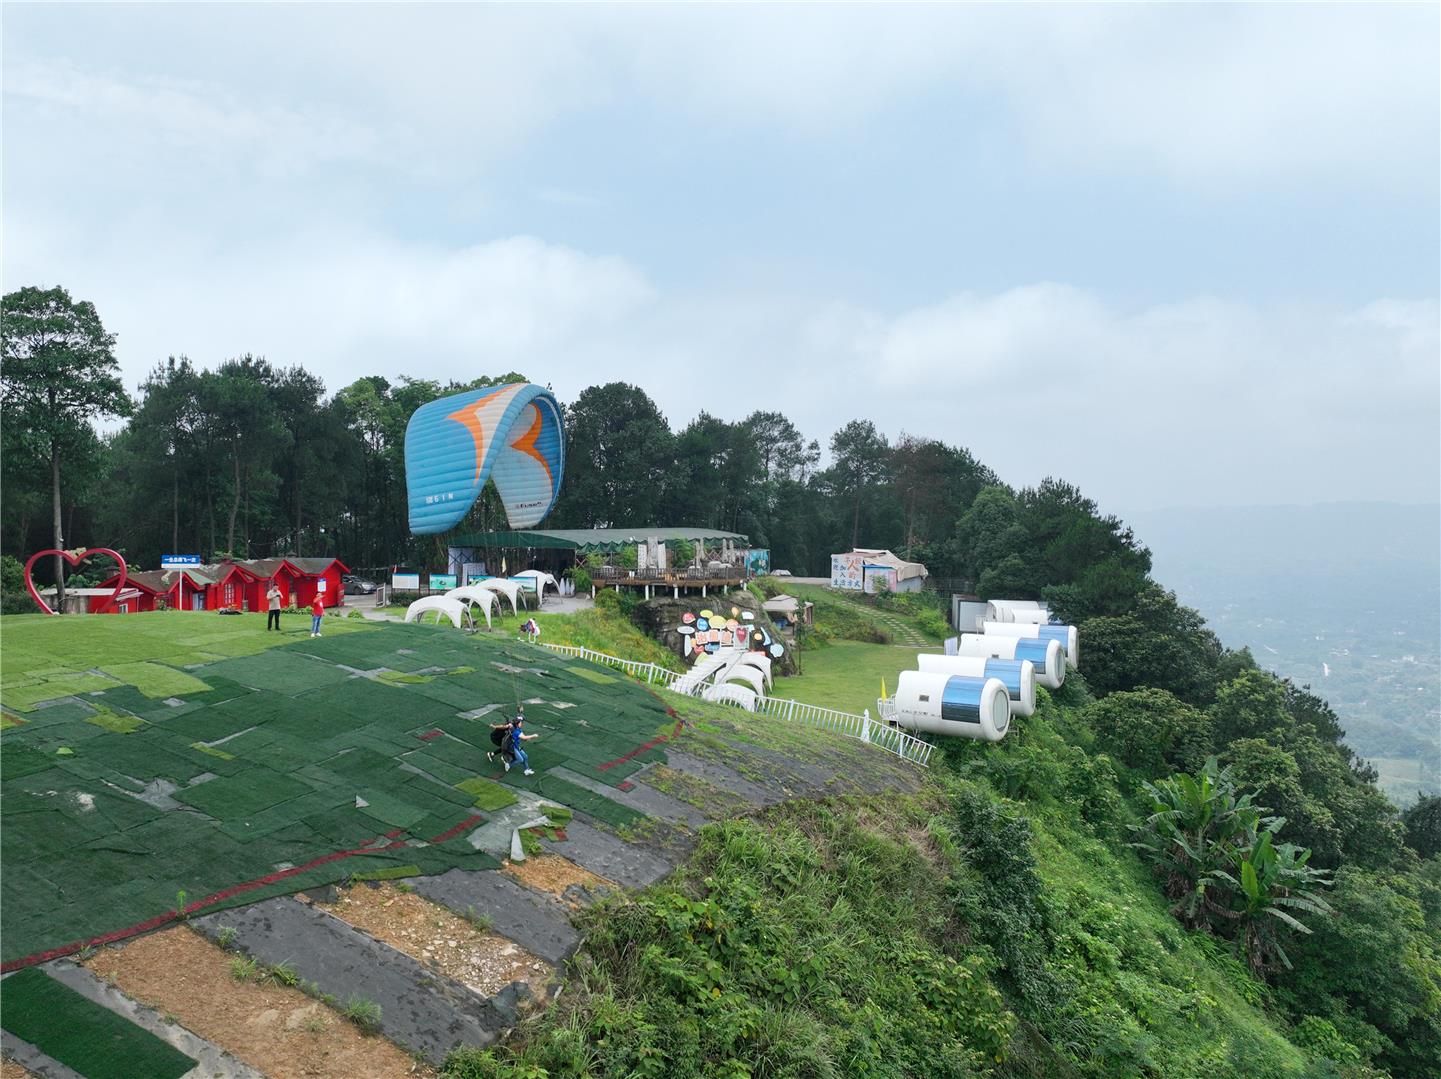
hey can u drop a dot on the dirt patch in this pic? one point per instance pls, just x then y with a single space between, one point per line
554 874
10 1070
442 940
279 1030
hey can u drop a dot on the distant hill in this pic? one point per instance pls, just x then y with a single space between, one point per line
1342 596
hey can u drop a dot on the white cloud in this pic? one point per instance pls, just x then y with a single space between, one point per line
1199 401
1198 94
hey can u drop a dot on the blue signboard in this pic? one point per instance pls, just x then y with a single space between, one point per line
442 580
179 561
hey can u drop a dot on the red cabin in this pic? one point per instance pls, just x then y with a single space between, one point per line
143 591
318 576
228 588
300 580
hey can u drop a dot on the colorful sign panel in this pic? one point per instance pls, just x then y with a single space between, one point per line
179 561
442 580
758 561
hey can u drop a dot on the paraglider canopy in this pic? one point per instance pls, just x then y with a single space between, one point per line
509 433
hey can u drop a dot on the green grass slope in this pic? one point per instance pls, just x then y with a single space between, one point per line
992 922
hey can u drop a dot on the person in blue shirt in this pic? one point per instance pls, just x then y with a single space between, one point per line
517 736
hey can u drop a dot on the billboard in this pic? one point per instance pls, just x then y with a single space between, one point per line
848 571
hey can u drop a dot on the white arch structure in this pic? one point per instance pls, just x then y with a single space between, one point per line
744 672
730 693
453 609
472 595
760 661
508 588
541 579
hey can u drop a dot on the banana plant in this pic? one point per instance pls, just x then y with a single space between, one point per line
1272 880
1197 826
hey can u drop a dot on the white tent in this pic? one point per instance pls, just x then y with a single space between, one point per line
475 595
541 579
510 589
453 609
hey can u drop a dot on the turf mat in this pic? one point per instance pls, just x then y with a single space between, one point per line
83 856
84 1036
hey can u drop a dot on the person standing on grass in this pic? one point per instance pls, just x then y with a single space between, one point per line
317 612
272 599
517 736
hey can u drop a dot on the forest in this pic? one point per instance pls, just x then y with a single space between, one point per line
1266 831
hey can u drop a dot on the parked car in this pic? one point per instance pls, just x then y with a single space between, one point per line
780 573
357 586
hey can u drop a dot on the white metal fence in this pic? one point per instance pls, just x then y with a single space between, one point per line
861 727
650 673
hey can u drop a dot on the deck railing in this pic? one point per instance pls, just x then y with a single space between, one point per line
861 727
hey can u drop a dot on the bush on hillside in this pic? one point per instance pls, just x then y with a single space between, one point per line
1150 730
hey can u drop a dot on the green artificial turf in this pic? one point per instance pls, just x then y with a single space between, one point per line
259 768
83 1035
155 679
488 795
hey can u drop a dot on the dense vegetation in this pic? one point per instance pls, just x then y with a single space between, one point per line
1179 870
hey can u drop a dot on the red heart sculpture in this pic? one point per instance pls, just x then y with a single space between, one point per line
75 558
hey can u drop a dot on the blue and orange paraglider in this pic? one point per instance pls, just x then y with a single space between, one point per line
511 434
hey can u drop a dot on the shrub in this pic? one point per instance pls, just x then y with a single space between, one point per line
1150 730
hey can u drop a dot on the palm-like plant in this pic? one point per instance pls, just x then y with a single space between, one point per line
1273 879
1192 837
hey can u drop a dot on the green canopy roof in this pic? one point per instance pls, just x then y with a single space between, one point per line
590 539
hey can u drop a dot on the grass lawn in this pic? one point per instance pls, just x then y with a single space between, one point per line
46 656
846 675
154 761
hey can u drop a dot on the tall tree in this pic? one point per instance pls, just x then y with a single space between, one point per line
238 394
58 373
859 455
617 457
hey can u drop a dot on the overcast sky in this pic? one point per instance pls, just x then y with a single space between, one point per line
1176 255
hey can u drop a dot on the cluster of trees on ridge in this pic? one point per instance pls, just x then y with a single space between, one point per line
256 460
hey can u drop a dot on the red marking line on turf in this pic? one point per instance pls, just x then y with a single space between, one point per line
159 920
638 750
462 826
428 735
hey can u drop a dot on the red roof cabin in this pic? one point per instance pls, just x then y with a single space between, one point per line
228 588
142 592
300 580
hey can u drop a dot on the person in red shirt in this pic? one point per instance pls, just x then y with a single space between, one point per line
317 612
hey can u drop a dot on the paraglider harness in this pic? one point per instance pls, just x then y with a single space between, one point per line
530 629
503 738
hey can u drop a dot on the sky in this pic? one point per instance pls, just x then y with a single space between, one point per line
1176 255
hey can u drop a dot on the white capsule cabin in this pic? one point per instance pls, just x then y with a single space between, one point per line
953 705
1069 639
1048 657
1019 675
1017 610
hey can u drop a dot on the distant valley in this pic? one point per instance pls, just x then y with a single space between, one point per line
1345 597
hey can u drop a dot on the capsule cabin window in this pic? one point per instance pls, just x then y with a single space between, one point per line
925 696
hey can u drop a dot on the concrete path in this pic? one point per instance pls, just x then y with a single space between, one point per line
535 922
421 1010
629 865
